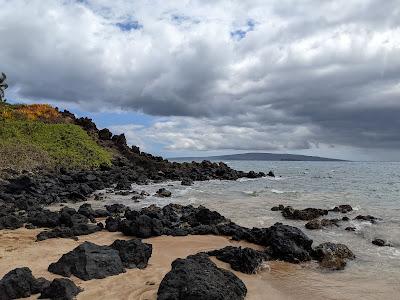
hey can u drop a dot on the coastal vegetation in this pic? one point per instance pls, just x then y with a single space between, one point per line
37 136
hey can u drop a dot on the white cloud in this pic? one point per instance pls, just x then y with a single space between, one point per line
305 73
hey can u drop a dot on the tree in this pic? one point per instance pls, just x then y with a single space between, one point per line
3 87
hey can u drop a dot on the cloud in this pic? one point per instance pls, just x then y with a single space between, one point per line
133 134
201 134
256 75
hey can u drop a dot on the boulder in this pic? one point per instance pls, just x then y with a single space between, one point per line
57 232
271 174
144 193
72 226
101 213
332 256
367 218
20 283
350 228
112 224
163 193
89 261
137 197
197 277
284 242
120 140
345 208
60 289
245 260
11 222
19 184
304 214
135 149
44 218
205 216
252 175
116 208
381 243
123 185
86 123
319 224
86 210
133 253
105 134
142 226
280 207
203 230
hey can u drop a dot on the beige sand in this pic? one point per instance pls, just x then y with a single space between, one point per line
18 248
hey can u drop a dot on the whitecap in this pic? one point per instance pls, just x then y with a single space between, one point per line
251 193
244 179
281 192
274 178
277 191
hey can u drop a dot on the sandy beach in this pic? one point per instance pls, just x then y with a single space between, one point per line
19 249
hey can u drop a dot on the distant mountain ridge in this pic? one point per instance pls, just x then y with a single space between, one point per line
259 156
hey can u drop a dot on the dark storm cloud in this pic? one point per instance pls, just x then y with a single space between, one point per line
245 75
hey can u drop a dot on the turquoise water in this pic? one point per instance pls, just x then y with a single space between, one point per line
369 187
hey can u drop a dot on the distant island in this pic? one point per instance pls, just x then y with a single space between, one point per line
258 156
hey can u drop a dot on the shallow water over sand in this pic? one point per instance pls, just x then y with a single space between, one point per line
371 188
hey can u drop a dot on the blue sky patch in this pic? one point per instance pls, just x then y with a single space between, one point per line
181 19
129 25
241 33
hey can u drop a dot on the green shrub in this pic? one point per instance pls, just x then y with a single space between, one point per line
43 144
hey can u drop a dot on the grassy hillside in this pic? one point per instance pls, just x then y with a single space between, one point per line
34 136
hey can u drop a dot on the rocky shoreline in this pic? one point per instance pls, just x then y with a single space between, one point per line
23 201
189 278
24 198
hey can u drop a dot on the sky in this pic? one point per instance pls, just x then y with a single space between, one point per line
198 78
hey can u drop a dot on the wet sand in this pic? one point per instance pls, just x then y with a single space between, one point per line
19 249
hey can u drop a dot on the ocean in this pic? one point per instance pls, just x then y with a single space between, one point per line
369 187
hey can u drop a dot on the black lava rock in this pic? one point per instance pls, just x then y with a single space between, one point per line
86 210
350 228
89 261
284 242
304 214
319 224
123 185
142 226
197 277
278 208
116 208
381 243
44 218
367 218
245 260
332 256
345 208
60 289
164 193
133 253
20 283
105 134
11 222
112 224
